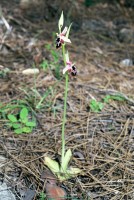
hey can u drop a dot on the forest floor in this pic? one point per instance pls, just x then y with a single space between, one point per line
100 106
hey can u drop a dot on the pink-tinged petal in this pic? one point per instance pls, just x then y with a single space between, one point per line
69 63
65 39
64 31
66 69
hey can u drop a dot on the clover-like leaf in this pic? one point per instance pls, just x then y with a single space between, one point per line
31 124
24 114
12 118
18 131
27 129
61 21
16 125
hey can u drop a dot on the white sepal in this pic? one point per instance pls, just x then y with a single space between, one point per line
66 69
65 39
68 31
64 30
61 21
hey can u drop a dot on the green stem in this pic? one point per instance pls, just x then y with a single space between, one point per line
63 53
65 109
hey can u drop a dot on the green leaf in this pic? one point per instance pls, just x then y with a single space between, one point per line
68 30
118 98
71 172
31 124
48 46
16 126
44 64
42 196
107 98
100 105
52 165
12 118
18 131
27 129
113 97
24 113
55 56
67 157
24 121
61 21
96 106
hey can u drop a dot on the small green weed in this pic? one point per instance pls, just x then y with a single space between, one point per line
44 65
113 97
21 125
42 100
42 196
48 92
96 106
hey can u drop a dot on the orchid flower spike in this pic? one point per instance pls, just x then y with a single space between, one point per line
61 38
70 68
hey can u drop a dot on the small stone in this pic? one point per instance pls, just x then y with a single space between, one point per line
126 63
5 193
30 71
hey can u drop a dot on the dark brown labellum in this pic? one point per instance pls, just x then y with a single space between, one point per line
58 39
58 43
74 71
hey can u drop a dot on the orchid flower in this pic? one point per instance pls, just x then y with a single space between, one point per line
61 38
62 170
70 67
